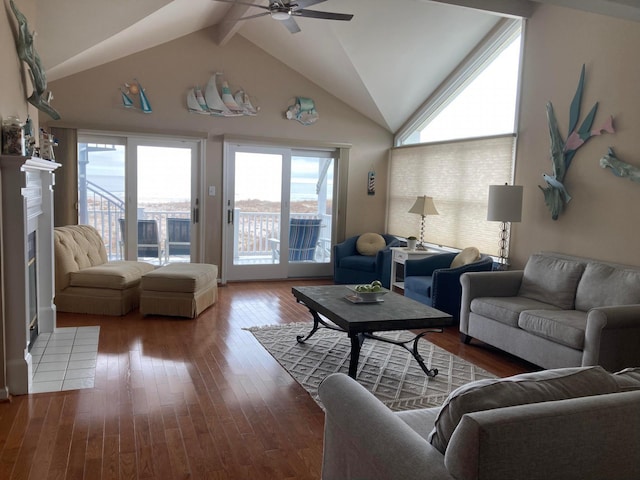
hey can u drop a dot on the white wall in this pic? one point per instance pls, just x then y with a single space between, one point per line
602 220
91 100
14 89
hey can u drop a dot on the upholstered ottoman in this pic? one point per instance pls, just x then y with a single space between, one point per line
179 289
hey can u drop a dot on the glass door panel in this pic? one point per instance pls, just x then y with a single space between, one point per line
311 202
164 204
141 195
279 209
101 190
254 214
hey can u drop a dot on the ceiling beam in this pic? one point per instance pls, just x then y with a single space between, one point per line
229 25
625 9
514 8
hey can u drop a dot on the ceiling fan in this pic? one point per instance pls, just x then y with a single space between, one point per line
284 11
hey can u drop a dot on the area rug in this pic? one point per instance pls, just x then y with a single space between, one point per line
388 371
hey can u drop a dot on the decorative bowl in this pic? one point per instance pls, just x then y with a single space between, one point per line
366 297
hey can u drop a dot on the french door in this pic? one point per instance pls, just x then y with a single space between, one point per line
278 212
142 196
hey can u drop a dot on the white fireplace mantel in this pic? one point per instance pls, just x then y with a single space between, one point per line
27 206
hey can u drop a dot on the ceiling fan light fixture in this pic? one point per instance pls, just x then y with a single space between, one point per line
281 15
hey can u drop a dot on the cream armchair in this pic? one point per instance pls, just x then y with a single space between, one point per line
86 282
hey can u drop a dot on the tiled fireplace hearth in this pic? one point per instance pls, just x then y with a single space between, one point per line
27 265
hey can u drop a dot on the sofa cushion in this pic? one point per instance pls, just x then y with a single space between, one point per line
543 386
362 263
506 309
566 327
551 280
603 285
180 277
465 257
628 379
421 285
370 243
117 275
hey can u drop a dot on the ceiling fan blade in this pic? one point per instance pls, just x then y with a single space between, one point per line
244 3
322 15
300 4
290 24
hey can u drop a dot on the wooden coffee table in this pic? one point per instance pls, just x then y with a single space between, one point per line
361 320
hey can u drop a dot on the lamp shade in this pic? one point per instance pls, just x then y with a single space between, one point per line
505 203
424 206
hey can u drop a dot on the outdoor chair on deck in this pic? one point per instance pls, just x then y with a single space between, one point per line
148 239
304 234
178 238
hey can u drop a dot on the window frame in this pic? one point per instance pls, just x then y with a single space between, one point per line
483 55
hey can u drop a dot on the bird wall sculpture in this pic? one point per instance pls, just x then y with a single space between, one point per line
40 97
562 151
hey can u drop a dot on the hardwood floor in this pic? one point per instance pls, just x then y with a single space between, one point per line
179 398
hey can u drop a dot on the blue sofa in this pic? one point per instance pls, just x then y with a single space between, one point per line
433 282
349 267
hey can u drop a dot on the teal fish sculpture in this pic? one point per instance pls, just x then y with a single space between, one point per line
562 151
40 98
620 168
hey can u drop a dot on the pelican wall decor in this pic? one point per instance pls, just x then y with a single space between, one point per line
563 151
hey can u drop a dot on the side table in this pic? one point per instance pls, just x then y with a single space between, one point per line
399 256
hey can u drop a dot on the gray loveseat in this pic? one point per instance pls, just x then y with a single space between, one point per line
560 311
583 425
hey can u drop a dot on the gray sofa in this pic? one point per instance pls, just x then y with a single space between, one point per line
583 425
560 311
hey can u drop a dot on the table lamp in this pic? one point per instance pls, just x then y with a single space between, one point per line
505 206
423 206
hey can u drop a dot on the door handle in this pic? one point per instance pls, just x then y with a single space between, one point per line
196 215
229 216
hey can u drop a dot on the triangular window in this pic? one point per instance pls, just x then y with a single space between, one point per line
480 101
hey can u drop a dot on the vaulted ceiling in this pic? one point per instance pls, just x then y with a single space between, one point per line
384 63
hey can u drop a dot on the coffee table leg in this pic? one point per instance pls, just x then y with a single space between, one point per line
317 323
356 342
431 372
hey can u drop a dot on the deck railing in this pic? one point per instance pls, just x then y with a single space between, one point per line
254 230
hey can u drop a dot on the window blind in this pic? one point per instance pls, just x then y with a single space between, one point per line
457 175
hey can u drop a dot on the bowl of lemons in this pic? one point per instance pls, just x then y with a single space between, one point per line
368 293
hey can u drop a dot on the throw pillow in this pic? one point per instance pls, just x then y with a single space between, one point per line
628 379
551 280
370 243
543 386
603 286
465 257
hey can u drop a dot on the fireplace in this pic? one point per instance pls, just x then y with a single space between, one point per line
32 292
27 265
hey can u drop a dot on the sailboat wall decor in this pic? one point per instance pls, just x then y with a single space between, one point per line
218 101
132 90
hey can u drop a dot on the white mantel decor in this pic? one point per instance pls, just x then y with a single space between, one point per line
27 206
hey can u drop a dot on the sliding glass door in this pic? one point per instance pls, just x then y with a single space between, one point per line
279 212
141 194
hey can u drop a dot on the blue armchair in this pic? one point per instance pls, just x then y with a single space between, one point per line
433 282
350 267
